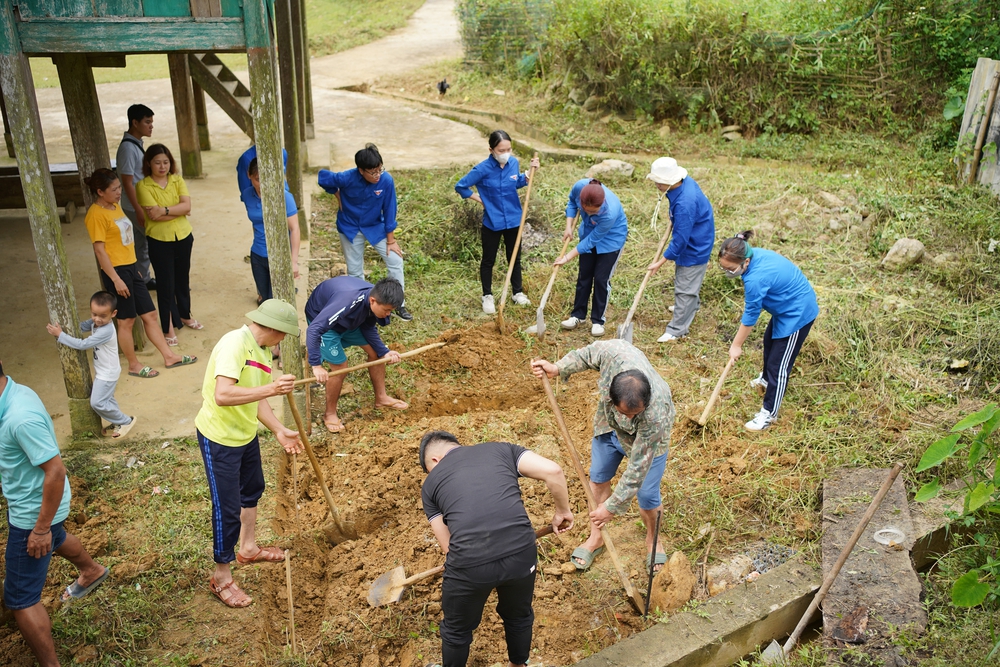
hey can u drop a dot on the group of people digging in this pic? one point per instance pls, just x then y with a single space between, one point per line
470 495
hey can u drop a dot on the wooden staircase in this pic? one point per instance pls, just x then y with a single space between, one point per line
222 86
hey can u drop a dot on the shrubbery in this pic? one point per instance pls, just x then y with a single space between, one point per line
774 66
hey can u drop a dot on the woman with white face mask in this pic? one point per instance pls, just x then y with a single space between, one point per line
497 180
774 284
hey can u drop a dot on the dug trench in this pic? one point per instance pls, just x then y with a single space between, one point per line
479 387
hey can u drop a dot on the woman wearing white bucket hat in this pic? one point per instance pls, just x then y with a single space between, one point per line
690 244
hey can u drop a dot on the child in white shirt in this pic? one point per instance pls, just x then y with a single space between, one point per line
107 366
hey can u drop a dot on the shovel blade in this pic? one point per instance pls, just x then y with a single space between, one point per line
539 323
625 333
773 655
388 588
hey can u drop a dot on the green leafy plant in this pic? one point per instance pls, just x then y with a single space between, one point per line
982 466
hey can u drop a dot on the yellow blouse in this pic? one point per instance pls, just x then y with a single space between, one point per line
149 193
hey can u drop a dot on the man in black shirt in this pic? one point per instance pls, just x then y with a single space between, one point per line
472 499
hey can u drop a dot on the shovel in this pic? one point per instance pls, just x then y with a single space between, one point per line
539 316
389 587
775 654
625 330
513 255
703 419
368 364
633 595
338 531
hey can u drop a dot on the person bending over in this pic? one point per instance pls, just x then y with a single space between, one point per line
634 409
343 312
473 502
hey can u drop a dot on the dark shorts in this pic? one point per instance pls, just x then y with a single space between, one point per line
25 575
138 302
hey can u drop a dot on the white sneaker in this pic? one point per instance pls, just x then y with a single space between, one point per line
760 384
667 337
521 299
488 306
761 420
533 329
570 324
670 308
597 330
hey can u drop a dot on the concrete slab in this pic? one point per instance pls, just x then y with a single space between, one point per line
726 628
878 577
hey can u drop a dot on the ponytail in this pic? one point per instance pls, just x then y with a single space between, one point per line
737 248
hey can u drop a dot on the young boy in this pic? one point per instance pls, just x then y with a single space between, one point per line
107 367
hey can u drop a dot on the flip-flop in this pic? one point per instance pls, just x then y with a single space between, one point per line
75 591
396 404
263 555
146 372
334 426
237 597
171 340
661 559
586 556
194 324
185 360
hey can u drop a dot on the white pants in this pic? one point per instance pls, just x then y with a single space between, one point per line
354 255
102 401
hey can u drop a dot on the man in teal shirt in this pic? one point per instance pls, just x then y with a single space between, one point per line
37 491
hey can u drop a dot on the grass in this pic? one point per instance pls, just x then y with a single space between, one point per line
332 26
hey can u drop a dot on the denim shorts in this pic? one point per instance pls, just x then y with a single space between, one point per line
25 576
606 455
333 345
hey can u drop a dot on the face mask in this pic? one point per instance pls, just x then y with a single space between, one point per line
502 158
737 273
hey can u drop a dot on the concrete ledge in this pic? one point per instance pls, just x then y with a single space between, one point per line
726 627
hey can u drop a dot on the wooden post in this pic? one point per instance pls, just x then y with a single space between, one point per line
201 116
263 90
289 97
309 128
7 139
83 111
57 284
184 112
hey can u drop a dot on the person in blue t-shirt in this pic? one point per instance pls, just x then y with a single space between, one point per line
35 484
774 284
603 230
497 180
367 199
258 251
690 245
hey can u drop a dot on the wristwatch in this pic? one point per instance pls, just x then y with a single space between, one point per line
167 209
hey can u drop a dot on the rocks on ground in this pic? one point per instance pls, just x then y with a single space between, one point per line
903 254
610 167
723 576
673 585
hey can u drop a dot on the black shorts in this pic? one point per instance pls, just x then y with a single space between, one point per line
138 302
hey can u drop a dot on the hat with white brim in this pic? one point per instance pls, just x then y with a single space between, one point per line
278 315
666 171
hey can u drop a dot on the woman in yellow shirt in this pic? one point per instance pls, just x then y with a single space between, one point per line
164 197
112 234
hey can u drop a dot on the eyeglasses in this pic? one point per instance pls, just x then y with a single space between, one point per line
374 173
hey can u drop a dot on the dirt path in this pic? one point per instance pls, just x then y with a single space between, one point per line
222 287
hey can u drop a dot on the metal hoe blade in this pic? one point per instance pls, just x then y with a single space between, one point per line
540 322
625 332
388 588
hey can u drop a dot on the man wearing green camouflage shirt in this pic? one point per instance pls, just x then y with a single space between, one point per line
634 409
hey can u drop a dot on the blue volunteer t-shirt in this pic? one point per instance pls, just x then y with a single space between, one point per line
27 440
255 212
774 284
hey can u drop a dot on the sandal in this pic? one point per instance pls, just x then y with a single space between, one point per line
263 555
334 425
75 591
661 559
185 360
396 404
171 340
194 324
586 556
146 372
237 598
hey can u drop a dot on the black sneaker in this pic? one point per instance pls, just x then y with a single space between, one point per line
403 314
151 285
